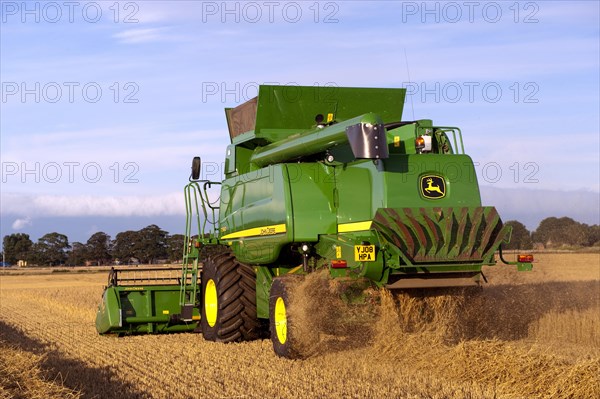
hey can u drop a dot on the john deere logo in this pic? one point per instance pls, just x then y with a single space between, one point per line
433 187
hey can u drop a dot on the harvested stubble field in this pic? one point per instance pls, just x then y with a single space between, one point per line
533 334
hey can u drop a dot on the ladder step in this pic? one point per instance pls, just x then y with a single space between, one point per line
187 311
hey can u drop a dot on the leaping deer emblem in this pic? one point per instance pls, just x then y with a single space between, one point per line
431 188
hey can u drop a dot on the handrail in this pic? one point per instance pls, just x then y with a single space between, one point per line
200 197
199 207
452 129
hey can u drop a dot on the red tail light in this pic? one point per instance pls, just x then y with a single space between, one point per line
338 264
525 258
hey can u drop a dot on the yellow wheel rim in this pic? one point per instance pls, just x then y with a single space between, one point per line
211 304
280 320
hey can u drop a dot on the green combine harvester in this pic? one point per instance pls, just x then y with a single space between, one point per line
315 179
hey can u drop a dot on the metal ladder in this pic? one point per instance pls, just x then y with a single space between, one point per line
199 208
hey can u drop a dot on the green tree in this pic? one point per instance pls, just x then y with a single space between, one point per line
51 250
555 232
520 238
123 246
576 234
593 235
151 244
98 248
175 247
16 247
78 254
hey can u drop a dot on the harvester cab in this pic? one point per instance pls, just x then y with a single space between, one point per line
323 178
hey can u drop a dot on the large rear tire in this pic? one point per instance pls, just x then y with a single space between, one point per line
284 333
228 299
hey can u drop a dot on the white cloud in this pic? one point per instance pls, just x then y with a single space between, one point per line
20 224
531 206
133 36
86 205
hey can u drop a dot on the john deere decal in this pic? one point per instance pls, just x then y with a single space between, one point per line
433 187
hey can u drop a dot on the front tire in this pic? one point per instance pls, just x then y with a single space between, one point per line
228 299
284 333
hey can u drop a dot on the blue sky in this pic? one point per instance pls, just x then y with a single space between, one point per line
104 104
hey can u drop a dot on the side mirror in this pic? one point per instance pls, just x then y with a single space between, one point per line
196 168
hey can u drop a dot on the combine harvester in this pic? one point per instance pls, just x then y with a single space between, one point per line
315 178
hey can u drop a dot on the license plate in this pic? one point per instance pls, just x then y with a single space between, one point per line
364 253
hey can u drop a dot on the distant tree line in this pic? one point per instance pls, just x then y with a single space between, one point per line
554 233
148 245
152 244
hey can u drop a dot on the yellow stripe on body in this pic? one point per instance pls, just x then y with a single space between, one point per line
257 231
356 226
